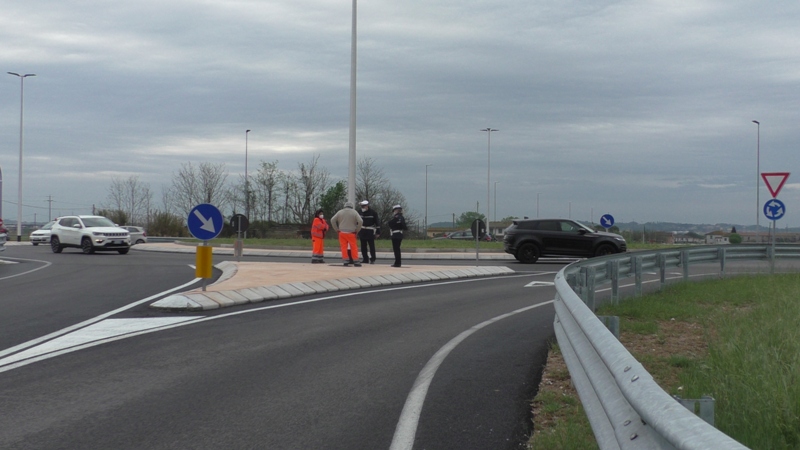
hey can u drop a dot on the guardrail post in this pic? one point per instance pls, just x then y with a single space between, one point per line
685 264
590 276
661 260
637 273
613 270
703 407
612 323
582 283
721 256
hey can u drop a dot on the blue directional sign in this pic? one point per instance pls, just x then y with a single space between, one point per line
607 221
774 209
205 221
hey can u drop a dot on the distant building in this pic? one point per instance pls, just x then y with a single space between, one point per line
718 238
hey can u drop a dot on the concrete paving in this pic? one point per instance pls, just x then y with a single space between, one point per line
253 282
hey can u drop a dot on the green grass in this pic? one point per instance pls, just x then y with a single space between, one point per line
751 325
380 244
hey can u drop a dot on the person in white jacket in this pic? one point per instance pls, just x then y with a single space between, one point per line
347 222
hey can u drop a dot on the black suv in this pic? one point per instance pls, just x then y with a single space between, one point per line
529 239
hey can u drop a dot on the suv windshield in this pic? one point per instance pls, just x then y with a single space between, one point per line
97 222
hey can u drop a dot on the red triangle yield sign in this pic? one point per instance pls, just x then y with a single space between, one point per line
775 181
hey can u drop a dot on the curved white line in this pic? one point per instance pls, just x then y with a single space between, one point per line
46 264
406 429
8 366
64 331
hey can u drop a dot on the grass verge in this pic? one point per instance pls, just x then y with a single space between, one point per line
735 339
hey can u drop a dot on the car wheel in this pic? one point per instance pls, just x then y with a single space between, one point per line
55 245
123 251
527 253
140 241
86 246
604 249
35 244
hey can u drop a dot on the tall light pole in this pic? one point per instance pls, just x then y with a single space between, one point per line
21 115
537 204
488 172
495 201
351 173
426 199
246 179
758 176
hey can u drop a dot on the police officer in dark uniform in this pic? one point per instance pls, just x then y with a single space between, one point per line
397 224
370 229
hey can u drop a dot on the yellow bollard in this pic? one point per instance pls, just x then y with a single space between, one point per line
203 261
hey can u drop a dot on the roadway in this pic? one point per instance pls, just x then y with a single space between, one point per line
433 365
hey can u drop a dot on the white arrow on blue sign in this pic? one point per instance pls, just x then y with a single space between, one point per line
607 221
774 209
205 221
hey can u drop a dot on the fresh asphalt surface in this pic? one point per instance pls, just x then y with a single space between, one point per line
326 371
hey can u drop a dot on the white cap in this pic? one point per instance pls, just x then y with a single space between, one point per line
364 203
396 207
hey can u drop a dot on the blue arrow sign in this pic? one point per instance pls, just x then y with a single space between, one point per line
607 221
774 209
205 221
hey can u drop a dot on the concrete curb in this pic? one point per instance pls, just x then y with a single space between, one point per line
209 300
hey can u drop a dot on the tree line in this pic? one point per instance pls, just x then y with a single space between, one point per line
272 198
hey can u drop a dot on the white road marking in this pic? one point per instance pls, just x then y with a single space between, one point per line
85 323
100 331
406 429
540 283
46 264
84 335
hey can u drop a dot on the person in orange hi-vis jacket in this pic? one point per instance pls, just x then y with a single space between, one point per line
318 230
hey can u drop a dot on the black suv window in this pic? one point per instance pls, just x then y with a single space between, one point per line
569 227
549 225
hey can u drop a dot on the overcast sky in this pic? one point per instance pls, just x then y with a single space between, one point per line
641 109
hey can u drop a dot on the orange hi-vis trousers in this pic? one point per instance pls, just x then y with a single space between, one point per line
345 240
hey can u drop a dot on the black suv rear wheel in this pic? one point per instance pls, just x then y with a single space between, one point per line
528 253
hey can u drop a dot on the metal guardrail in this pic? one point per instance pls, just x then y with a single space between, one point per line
625 406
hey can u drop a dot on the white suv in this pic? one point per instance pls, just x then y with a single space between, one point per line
90 234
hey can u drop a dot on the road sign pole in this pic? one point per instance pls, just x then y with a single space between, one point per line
203 262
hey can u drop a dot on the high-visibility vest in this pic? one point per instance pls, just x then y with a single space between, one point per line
319 228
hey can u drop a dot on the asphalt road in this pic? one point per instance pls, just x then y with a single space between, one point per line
315 372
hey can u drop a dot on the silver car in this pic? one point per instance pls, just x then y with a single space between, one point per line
138 235
42 235
3 235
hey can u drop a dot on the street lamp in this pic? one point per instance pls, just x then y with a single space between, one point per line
758 176
495 200
426 199
246 179
488 172
351 169
21 110
537 204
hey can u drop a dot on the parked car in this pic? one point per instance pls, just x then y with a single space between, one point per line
3 236
138 234
464 235
42 235
90 234
528 239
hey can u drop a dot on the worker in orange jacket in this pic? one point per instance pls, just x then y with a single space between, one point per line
318 230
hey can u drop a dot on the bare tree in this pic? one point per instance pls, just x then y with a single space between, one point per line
265 188
205 184
304 189
130 196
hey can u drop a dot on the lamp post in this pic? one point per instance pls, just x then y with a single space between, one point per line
351 172
246 179
495 201
488 130
426 199
537 204
21 115
758 175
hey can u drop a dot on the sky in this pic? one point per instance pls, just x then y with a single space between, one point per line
639 109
